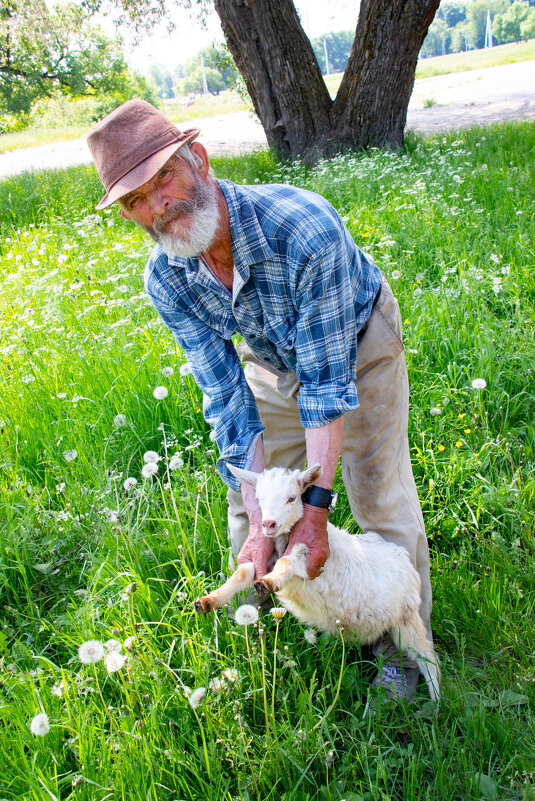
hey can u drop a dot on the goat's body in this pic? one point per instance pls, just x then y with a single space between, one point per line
368 587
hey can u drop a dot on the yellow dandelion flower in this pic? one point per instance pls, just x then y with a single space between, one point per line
467 430
458 443
441 448
460 416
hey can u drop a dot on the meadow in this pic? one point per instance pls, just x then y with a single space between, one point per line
96 547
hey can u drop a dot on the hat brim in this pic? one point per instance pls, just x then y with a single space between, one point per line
144 171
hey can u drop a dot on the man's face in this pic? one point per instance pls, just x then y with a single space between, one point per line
177 208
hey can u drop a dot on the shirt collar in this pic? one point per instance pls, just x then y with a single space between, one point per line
249 245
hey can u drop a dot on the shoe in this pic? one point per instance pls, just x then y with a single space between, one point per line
396 681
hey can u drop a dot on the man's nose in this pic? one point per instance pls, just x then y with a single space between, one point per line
159 201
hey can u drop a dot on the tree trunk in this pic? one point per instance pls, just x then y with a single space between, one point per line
282 75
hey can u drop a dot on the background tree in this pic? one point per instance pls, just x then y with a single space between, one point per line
163 80
284 81
43 52
515 24
339 46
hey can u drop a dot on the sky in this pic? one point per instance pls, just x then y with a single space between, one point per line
170 49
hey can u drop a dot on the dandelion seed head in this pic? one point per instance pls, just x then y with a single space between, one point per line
40 725
246 615
479 383
435 411
160 393
90 652
216 686
185 369
396 274
129 483
129 643
112 645
176 462
211 436
151 456
230 674
58 689
119 420
197 697
114 661
167 372
278 612
150 469
71 455
310 636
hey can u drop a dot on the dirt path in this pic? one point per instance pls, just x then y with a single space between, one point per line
437 104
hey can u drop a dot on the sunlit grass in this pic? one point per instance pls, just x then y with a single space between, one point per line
450 221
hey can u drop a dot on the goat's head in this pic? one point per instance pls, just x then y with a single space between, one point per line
278 491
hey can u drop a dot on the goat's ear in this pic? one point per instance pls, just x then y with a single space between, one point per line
247 476
309 476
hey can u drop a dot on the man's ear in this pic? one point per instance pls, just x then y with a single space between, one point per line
201 155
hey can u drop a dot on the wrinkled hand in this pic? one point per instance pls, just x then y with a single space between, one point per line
312 530
257 549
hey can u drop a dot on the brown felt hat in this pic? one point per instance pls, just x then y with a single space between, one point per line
130 145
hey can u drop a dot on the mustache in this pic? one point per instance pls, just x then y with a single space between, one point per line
172 213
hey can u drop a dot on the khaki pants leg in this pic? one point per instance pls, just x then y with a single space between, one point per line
376 466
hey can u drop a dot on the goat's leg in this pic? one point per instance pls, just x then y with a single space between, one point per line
241 579
285 568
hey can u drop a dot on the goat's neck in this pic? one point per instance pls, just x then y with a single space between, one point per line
280 544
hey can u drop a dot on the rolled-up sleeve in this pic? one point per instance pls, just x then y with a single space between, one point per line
325 337
228 403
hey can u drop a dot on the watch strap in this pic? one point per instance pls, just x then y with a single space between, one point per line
319 496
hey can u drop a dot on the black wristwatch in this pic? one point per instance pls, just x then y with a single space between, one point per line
320 497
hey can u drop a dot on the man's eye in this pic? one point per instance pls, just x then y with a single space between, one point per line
132 202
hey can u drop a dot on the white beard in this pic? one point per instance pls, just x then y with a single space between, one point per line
193 238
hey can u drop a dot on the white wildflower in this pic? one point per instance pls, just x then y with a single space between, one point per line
61 258
479 383
176 462
119 420
40 725
129 483
129 643
185 369
197 697
310 636
150 469
150 456
435 411
160 393
114 661
111 515
69 456
278 612
495 258
246 615
167 372
90 652
58 688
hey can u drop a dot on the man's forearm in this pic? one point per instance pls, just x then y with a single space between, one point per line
324 445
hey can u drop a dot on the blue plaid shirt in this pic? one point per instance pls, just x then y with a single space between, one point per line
302 291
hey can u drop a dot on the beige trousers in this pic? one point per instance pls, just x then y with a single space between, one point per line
376 467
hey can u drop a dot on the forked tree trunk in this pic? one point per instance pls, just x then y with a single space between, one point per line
283 78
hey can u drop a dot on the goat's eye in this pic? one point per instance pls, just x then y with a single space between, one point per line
291 499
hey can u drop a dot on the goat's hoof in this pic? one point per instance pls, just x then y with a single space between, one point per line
263 587
203 605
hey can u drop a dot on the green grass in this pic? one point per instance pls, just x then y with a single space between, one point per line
451 223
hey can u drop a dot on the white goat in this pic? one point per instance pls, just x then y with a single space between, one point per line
368 586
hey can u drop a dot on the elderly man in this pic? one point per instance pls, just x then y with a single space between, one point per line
320 369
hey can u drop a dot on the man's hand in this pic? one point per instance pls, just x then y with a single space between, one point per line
257 549
312 530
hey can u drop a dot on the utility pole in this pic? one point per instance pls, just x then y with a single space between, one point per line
488 31
327 66
204 81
